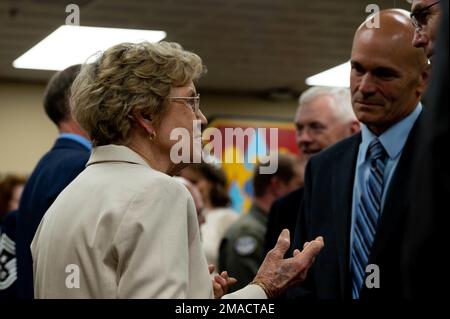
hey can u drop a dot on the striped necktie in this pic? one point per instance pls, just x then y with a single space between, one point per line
367 215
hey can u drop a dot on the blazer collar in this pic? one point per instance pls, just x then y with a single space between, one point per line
115 153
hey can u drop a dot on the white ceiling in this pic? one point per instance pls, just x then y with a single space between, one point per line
247 45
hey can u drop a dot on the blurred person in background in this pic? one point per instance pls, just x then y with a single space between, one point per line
128 228
219 216
196 196
199 206
55 170
11 187
426 16
241 251
324 117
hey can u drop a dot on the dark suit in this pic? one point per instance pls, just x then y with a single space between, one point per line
427 226
326 211
52 174
283 214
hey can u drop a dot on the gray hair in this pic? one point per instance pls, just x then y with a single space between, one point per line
340 96
129 77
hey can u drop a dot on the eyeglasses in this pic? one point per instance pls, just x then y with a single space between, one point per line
419 18
192 101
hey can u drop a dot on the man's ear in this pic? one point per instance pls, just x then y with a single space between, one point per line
424 78
145 123
355 127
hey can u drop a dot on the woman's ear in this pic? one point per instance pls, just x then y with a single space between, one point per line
145 123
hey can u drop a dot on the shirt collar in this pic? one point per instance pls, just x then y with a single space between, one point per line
394 139
77 138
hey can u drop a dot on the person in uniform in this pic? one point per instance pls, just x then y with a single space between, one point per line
242 249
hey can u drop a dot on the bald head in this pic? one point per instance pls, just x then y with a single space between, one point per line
388 74
395 34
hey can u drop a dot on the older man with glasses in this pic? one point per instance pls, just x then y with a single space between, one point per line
429 174
425 16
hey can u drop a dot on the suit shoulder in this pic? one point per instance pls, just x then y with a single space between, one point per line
66 158
160 183
336 150
289 200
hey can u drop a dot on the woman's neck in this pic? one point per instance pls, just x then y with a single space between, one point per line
154 157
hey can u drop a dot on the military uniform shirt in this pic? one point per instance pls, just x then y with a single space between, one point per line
241 251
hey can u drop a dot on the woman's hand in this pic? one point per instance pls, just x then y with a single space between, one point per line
277 274
221 282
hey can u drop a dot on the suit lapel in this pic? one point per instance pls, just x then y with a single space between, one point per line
343 175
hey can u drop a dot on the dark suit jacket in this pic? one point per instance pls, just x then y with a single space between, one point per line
52 174
283 214
326 211
427 226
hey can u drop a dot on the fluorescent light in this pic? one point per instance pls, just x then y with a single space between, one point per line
338 76
69 45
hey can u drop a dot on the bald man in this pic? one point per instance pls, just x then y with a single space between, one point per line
426 16
355 190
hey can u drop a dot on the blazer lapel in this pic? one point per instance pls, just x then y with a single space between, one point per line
397 197
343 175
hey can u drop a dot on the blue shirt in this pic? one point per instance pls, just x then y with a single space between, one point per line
393 141
77 138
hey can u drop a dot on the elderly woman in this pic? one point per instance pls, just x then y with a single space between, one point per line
124 228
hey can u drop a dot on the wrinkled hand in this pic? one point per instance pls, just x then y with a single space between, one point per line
221 282
277 274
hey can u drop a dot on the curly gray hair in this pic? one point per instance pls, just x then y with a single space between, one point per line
125 78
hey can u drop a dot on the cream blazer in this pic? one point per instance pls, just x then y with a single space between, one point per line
122 230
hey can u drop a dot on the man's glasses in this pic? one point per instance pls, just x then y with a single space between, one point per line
419 18
192 101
